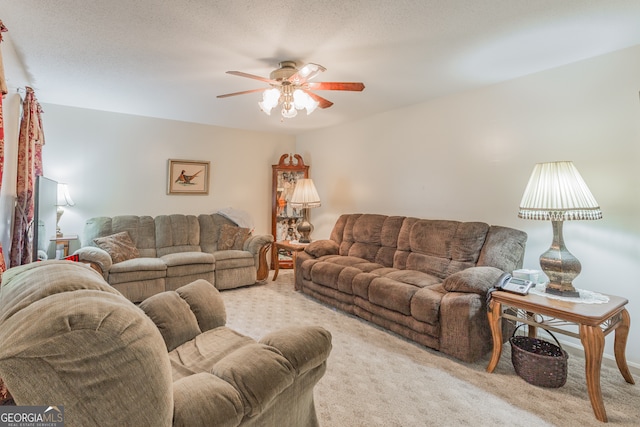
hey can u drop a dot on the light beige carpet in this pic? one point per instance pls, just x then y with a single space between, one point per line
376 378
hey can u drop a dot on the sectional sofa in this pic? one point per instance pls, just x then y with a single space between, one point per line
426 280
141 256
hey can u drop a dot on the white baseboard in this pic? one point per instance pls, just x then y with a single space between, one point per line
607 359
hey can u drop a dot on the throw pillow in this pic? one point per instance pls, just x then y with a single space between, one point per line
477 280
232 237
119 246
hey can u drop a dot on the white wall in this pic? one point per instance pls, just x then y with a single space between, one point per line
469 156
116 164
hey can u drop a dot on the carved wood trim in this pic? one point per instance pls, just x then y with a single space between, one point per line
263 266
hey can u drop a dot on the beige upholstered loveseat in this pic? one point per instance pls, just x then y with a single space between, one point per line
171 251
70 339
424 279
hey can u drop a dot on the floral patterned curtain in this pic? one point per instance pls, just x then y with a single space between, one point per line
3 265
30 144
3 88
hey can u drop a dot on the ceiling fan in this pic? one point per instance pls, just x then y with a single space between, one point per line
291 87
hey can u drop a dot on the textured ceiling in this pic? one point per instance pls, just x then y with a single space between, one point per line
168 59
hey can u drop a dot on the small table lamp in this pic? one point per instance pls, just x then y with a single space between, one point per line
64 199
305 196
556 192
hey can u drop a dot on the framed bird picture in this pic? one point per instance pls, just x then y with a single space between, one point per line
188 177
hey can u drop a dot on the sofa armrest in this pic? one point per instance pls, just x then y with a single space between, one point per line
201 398
254 243
259 372
96 257
259 246
320 248
305 347
476 280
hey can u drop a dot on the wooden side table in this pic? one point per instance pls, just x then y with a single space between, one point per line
288 245
64 241
594 322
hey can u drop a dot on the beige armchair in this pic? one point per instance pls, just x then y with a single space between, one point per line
70 339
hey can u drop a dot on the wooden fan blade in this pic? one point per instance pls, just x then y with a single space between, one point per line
252 76
337 86
322 103
240 93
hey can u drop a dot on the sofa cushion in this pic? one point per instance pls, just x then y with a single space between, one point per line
233 259
467 244
177 233
188 258
326 273
430 264
137 269
232 237
205 302
433 237
203 352
391 294
503 248
119 246
352 261
390 231
368 229
321 248
477 280
425 304
188 263
366 251
173 317
405 232
412 277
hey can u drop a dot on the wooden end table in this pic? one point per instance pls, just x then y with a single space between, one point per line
64 241
594 322
293 247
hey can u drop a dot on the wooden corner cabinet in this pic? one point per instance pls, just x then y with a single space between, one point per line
284 218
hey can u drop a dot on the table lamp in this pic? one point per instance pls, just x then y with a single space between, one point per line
305 196
64 199
556 192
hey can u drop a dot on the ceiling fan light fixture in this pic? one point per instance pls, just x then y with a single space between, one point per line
270 99
264 108
311 107
299 99
290 113
302 100
291 88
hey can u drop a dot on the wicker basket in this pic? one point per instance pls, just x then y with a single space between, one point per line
539 362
